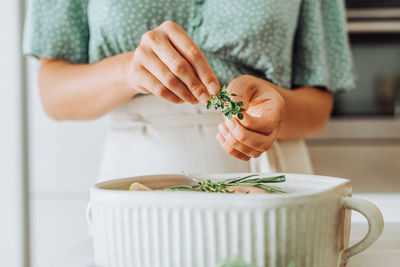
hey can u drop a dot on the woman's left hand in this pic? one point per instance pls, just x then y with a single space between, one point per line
258 130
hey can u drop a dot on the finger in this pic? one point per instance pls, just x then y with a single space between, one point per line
255 140
260 123
263 114
177 64
243 91
234 143
150 83
192 53
154 65
230 150
142 90
183 70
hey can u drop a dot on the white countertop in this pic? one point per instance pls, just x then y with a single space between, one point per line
385 252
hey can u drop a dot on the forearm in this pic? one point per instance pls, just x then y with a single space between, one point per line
87 91
307 112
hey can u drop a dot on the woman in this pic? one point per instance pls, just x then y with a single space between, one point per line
154 64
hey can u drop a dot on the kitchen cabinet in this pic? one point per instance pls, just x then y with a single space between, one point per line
366 151
372 168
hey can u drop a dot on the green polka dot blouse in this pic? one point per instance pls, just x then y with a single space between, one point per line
291 43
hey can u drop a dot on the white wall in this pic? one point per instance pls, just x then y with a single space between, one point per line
64 159
11 236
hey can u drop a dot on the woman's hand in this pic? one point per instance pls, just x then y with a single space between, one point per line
265 109
169 64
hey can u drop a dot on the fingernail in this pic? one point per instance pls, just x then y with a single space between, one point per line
220 138
213 88
204 98
223 130
231 125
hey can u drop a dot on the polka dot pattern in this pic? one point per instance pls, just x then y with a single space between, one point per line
291 43
57 29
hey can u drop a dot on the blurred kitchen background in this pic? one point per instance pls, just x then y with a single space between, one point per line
47 167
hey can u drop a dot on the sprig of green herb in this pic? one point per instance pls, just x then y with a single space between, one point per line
221 187
223 101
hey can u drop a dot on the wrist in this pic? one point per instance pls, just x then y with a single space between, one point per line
122 74
281 97
284 95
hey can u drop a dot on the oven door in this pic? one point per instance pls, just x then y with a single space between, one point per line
377 66
373 16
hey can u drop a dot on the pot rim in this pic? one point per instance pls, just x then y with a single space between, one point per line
333 185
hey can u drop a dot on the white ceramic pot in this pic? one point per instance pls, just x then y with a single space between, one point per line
309 226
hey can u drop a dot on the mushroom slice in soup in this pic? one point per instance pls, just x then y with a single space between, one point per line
139 187
237 189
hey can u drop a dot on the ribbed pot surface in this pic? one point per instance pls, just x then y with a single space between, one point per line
310 231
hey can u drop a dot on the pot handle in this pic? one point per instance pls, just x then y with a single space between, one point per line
375 225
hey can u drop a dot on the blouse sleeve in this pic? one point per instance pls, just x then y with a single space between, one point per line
57 29
322 55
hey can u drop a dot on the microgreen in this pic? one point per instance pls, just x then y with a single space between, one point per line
224 102
221 187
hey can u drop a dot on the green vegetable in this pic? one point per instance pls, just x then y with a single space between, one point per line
220 187
223 101
236 263
241 263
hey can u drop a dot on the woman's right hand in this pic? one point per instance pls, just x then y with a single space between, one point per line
169 64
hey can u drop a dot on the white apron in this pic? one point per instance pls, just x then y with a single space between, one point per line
149 135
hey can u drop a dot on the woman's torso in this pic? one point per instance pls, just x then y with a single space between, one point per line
292 43
149 135
238 37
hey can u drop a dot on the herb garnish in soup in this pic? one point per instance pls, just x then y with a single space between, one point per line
251 184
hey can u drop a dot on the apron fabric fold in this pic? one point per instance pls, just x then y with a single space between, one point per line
149 135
